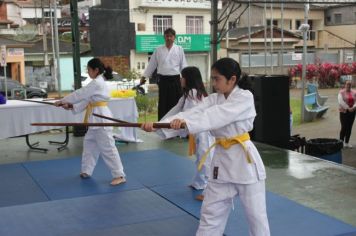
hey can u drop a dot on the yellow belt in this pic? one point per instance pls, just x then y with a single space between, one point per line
226 143
90 107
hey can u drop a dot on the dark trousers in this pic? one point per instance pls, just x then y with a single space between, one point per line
347 120
169 92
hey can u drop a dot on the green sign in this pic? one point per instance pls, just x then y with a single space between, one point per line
189 42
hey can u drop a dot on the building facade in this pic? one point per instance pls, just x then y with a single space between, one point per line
189 18
331 36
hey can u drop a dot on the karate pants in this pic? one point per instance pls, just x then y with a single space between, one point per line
218 202
203 142
169 93
101 142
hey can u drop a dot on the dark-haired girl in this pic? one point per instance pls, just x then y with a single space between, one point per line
237 168
98 140
194 93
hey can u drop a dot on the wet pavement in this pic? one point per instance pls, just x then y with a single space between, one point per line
328 126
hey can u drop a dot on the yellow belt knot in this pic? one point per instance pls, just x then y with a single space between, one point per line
226 143
90 107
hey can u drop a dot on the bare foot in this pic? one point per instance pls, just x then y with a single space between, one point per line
117 181
84 175
199 197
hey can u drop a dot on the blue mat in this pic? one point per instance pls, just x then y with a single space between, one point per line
60 179
177 226
86 214
286 217
17 186
158 167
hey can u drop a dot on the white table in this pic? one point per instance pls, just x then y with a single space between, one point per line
16 117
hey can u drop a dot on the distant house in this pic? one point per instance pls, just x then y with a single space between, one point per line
331 36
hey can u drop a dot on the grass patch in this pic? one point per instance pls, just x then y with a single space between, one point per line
148 117
295 105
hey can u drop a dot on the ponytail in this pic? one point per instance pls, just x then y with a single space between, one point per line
245 82
108 73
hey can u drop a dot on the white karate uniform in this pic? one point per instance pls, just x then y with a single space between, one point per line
233 175
203 140
166 61
97 140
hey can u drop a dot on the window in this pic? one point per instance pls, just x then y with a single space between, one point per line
275 22
338 18
138 65
48 14
194 24
161 23
143 65
232 25
297 24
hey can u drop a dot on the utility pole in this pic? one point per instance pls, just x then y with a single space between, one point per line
57 61
213 33
44 36
75 43
305 29
54 60
214 30
78 130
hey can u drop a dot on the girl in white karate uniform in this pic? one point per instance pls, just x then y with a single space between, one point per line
237 168
98 140
193 94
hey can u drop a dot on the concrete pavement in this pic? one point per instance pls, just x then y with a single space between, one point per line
328 126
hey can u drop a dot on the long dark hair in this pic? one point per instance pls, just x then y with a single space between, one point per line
228 67
97 63
193 80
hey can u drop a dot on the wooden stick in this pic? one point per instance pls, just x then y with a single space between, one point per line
52 99
155 125
35 101
110 118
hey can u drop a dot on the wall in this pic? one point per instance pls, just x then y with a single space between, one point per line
347 32
17 61
67 75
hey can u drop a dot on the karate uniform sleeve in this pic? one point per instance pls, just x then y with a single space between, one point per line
170 133
237 108
82 93
176 109
183 60
80 106
152 65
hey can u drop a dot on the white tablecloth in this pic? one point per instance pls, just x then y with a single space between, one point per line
16 117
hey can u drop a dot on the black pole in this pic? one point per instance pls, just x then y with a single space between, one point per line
214 30
213 35
77 130
75 43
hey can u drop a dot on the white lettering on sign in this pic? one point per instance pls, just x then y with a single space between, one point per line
297 56
184 39
16 52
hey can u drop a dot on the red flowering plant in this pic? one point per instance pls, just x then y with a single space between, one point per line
353 67
346 69
326 74
312 72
